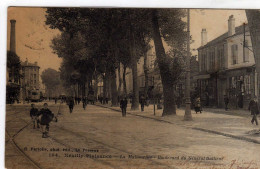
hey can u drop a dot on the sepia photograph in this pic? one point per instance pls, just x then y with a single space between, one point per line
132 88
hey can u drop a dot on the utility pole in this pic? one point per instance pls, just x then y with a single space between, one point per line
244 43
187 115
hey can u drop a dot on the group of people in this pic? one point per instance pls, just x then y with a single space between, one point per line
252 107
42 118
103 100
71 102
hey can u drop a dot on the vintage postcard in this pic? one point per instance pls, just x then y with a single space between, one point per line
132 88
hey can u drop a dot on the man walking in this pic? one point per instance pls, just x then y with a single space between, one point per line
226 100
253 107
71 104
84 101
123 106
142 102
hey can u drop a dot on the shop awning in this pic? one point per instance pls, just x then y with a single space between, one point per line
198 77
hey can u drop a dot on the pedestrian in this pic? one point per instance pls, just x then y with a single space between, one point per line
123 106
253 107
45 116
226 100
106 100
142 102
34 116
84 101
197 105
71 104
79 100
55 100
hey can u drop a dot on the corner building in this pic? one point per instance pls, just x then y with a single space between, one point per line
227 67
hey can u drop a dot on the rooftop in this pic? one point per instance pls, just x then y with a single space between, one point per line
26 63
239 30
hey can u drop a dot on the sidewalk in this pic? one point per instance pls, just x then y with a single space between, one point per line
214 121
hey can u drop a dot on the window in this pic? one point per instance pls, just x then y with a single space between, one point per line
247 84
221 58
212 59
203 61
34 81
234 54
34 76
246 52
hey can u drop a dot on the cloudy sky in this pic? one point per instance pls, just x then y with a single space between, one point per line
33 37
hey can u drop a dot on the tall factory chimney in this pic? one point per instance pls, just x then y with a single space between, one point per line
12 36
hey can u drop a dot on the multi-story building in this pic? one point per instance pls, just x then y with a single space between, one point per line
227 67
30 78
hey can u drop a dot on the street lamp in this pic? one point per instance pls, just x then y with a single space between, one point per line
187 115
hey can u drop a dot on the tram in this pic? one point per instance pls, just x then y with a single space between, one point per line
35 96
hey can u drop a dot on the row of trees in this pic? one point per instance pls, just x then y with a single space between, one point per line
51 80
94 42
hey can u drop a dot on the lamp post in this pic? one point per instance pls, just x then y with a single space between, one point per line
187 115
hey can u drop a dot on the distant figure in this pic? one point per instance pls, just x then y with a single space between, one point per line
79 100
253 107
71 104
75 100
240 100
142 102
197 105
123 106
226 100
55 100
106 100
46 117
34 116
178 102
84 101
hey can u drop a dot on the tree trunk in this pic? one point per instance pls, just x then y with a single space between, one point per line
135 94
168 92
113 87
119 79
109 85
145 75
124 81
95 86
105 86
253 17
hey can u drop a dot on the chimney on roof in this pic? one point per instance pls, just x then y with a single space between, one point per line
36 63
12 36
204 38
231 25
26 61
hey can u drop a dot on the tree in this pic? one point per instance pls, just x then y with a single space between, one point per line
101 43
168 65
14 65
253 17
51 79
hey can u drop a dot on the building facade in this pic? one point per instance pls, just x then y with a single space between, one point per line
227 67
30 78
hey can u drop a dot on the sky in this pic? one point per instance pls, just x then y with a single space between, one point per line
33 37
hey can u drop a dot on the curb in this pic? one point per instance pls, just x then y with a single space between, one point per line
194 128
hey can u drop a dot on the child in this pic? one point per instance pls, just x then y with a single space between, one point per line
45 119
34 116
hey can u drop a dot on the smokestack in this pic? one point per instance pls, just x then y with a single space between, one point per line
204 39
12 36
231 25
